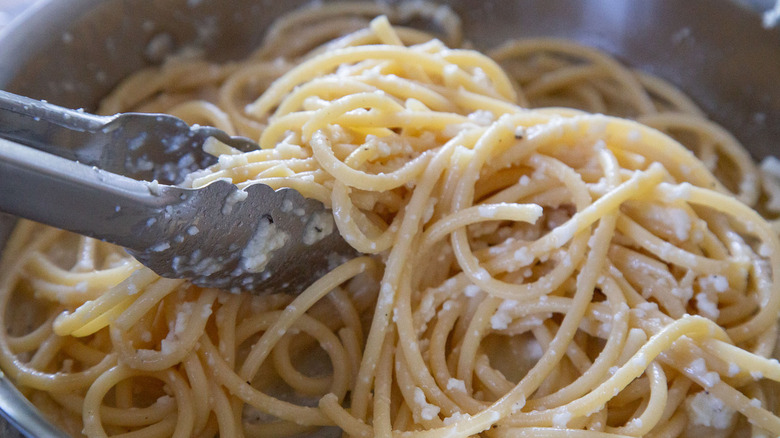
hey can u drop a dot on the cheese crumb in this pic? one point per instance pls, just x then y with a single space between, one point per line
675 192
523 257
501 319
699 368
455 418
257 253
487 211
471 290
561 419
319 226
706 306
707 410
428 410
718 283
680 222
232 199
456 384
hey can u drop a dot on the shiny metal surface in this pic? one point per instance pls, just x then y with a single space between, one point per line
20 414
210 235
127 144
716 50
84 173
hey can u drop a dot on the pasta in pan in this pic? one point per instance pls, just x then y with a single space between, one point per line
567 270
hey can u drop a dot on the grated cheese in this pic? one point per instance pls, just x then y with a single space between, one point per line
428 410
232 199
471 290
501 319
707 410
456 384
561 419
319 226
698 367
706 306
257 253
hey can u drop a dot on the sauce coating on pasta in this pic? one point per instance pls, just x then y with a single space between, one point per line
554 245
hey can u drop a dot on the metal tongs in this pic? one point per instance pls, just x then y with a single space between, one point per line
109 177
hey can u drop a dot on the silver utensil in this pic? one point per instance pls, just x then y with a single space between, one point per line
702 46
22 414
82 172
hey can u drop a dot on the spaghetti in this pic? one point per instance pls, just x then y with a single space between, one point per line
526 272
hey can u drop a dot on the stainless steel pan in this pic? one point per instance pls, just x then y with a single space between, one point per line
72 52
